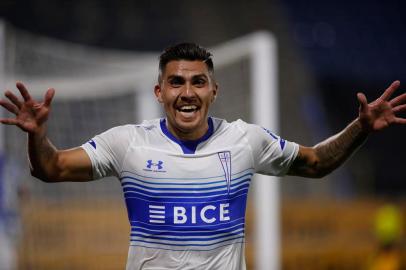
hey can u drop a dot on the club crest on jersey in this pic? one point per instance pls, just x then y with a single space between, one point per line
153 166
225 160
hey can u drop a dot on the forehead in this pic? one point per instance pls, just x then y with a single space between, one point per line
185 68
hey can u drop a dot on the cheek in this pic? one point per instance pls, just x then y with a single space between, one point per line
168 96
209 98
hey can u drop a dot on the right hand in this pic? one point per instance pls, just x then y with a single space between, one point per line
30 115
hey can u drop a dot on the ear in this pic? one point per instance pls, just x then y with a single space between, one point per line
158 93
215 90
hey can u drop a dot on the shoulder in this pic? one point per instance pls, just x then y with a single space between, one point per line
145 126
118 131
148 126
129 132
221 125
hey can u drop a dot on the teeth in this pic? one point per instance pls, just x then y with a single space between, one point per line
188 108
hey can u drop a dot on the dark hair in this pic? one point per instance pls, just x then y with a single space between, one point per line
185 51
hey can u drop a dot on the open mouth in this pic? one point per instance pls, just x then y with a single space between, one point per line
187 108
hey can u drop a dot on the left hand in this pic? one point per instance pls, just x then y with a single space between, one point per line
381 113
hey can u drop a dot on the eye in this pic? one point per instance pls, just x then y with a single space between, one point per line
176 81
199 82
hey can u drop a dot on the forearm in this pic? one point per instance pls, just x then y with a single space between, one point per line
323 158
46 162
43 156
335 150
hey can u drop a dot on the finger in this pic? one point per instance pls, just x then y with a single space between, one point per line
13 98
49 95
9 107
9 121
390 90
23 90
398 100
363 102
399 120
399 108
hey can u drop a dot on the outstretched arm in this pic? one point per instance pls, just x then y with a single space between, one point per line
46 162
323 158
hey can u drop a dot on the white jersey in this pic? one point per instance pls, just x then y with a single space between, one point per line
186 200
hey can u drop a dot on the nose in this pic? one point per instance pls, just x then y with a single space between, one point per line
188 91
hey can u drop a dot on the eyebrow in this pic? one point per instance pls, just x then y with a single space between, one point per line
194 76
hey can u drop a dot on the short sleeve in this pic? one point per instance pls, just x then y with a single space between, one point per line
272 154
108 149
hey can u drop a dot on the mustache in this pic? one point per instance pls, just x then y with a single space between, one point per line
182 101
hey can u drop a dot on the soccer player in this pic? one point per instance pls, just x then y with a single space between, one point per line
185 177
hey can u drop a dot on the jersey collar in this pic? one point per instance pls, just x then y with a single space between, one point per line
188 147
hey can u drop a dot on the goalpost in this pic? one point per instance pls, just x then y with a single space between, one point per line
2 79
104 88
261 49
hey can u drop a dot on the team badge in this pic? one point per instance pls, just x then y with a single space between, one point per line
225 159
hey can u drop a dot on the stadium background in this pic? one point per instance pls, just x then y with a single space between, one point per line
327 52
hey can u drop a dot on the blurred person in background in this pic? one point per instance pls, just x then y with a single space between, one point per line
11 192
388 225
186 177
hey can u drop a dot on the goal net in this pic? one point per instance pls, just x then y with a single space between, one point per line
84 225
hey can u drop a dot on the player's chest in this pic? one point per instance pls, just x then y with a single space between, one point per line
155 163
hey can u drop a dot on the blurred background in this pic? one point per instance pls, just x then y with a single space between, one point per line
90 50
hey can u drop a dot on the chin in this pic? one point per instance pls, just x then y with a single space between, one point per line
192 123
187 126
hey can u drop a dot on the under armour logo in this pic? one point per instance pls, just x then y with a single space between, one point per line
157 165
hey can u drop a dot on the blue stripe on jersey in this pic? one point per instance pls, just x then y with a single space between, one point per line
197 236
133 181
184 199
186 213
190 244
191 194
186 239
220 194
202 214
190 249
196 188
187 230
140 176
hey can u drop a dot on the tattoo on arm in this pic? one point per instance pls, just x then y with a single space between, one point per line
335 150
326 156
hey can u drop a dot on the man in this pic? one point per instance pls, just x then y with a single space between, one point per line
186 177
